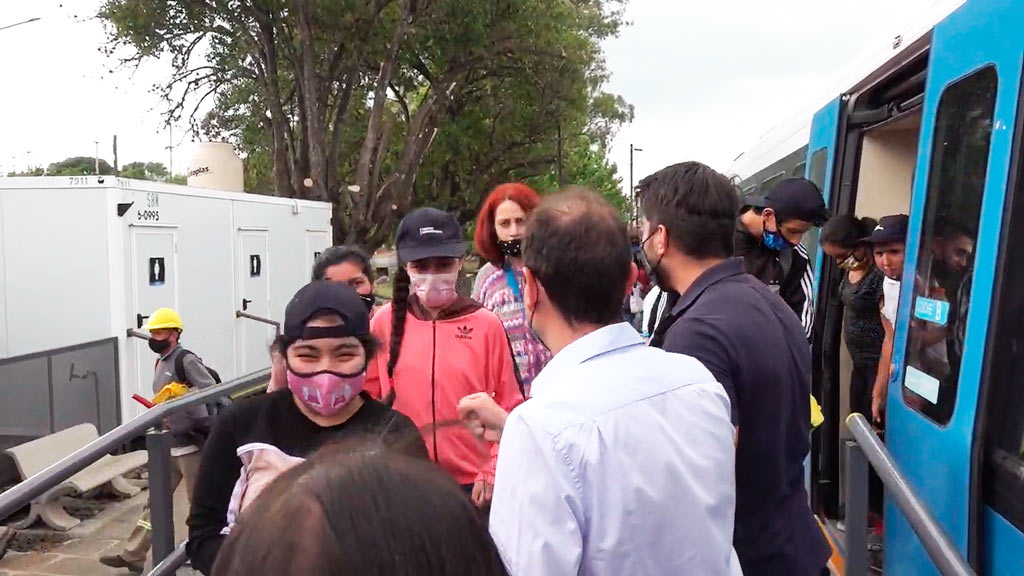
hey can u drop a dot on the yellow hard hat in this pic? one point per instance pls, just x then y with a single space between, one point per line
163 319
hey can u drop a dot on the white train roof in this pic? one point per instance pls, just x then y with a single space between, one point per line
794 132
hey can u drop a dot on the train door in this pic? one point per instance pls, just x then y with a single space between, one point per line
254 289
154 285
969 111
1001 426
821 157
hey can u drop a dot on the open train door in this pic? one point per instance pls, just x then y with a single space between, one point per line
822 151
969 123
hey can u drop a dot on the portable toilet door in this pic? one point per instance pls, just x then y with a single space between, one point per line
254 298
154 284
316 242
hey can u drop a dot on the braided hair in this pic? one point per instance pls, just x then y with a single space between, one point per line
399 310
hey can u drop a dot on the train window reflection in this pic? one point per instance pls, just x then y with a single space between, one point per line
818 166
956 182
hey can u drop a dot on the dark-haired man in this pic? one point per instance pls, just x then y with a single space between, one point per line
755 347
768 234
621 462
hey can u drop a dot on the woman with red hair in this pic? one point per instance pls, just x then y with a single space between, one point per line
499 236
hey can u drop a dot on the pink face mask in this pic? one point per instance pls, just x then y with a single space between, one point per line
434 290
326 393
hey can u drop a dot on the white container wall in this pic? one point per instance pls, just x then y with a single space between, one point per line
87 258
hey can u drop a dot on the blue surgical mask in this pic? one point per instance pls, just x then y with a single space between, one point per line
774 240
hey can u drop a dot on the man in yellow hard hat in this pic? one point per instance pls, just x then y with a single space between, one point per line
177 369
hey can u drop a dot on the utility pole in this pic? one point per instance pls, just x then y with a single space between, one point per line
97 143
170 149
632 193
117 170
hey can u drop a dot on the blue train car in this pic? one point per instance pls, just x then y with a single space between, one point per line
933 128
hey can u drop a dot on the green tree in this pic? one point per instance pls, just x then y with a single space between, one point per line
78 166
586 164
351 95
145 171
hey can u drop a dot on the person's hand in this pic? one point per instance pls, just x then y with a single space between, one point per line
876 410
482 415
482 492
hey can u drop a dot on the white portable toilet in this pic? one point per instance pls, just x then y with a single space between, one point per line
85 259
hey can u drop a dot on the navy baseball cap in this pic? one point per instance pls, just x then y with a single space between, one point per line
890 229
797 199
321 295
429 233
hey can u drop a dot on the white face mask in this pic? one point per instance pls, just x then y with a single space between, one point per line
434 290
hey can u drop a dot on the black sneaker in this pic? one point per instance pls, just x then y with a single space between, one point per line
117 561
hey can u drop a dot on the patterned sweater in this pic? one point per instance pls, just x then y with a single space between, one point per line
494 292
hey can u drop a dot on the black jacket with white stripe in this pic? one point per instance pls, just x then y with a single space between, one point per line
788 273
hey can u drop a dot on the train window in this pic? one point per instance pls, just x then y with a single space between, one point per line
956 182
769 183
818 166
1003 476
798 170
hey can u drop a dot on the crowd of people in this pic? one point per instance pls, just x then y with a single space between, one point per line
602 403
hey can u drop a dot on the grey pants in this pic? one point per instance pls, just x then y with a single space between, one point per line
184 467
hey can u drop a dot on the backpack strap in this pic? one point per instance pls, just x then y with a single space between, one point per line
179 367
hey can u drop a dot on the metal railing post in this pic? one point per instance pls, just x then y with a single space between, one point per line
933 537
161 499
856 510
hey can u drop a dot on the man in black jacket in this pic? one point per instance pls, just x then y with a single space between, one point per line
768 234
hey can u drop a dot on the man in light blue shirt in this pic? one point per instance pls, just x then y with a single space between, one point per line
622 462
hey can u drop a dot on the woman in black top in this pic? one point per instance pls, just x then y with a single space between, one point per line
326 344
861 290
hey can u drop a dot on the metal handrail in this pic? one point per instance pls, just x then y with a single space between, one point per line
274 323
171 564
158 445
933 537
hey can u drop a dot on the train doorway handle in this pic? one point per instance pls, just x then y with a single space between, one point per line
140 320
245 303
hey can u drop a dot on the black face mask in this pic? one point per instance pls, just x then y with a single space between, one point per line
511 248
159 346
369 300
652 269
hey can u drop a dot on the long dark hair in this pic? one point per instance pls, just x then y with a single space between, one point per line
847 231
352 510
339 255
399 310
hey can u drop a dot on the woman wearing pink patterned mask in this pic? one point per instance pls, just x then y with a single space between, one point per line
325 346
441 346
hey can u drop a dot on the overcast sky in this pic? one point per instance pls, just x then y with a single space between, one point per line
707 78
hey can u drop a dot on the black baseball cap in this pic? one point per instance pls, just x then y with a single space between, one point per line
890 229
797 199
429 233
321 295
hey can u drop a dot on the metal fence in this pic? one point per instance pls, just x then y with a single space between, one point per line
158 446
866 449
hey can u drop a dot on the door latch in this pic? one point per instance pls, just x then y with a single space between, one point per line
245 304
140 320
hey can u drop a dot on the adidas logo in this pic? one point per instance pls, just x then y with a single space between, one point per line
464 333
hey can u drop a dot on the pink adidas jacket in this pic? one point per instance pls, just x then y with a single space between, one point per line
463 351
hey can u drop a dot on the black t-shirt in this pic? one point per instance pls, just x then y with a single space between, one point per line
272 424
755 347
862 320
